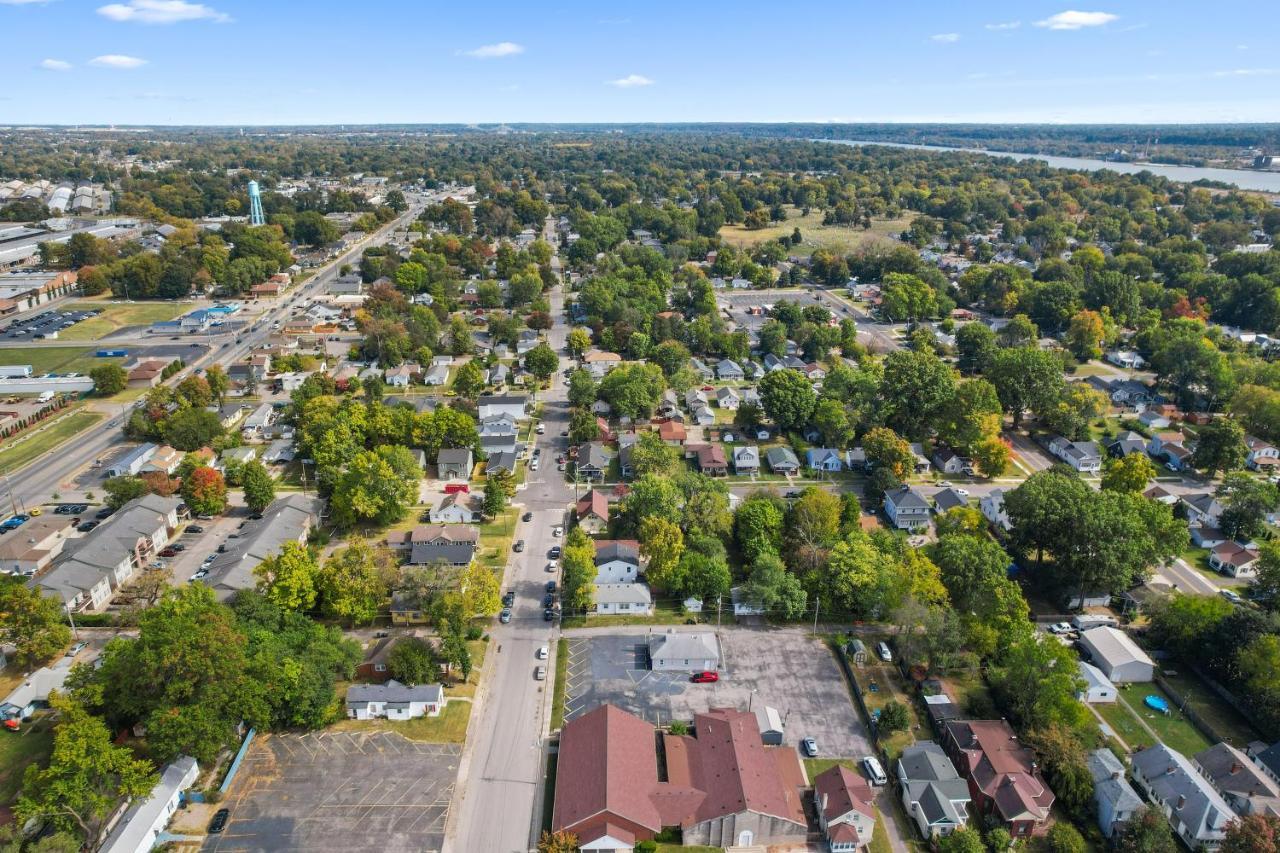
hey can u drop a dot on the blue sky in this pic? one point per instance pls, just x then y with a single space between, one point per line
329 62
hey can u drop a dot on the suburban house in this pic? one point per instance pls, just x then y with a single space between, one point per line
494 444
497 404
1116 654
1169 447
742 606
723 786
132 462
672 433
612 599
824 459
374 665
906 508
33 693
702 369
702 415
287 519
992 507
746 459
502 424
451 544
728 370
781 460
711 460
949 499
454 463
394 701
1125 358
257 426
1084 456
728 398
1232 558
1202 509
1114 796
139 829
457 508
948 461
846 808
1098 689
1154 419
37 543
501 460
592 512
684 652
933 794
593 460
436 375
406 609
1004 780
1267 759
93 566
617 561
1126 444
165 460
1196 812
1261 454
1240 782
401 375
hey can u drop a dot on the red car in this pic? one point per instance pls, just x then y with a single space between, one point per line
455 488
705 677
168 552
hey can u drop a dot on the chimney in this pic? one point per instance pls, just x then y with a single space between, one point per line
1235 767
1182 801
1116 775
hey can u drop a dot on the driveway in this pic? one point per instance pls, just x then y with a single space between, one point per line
783 668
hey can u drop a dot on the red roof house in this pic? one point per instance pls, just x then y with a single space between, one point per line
1003 778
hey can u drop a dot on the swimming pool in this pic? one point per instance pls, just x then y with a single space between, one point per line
1158 703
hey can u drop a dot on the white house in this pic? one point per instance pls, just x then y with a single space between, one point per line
906 508
933 794
140 827
457 508
1117 656
33 693
623 598
394 701
1098 688
616 562
1084 456
1197 813
498 404
992 507
684 652
742 606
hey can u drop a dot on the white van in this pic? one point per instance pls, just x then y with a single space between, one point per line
874 771
882 649
45 396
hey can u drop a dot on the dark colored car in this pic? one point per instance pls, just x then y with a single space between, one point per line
528 516
554 553
168 552
705 677
194 528
178 546
509 599
548 615
548 599
551 586
219 821
105 512
87 526
519 546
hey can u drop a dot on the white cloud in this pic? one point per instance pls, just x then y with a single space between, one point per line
1073 20
631 81
1247 72
161 12
55 65
945 38
117 60
495 51
1007 25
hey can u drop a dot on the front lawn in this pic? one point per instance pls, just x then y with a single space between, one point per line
18 750
1221 717
558 686
449 727
119 315
664 613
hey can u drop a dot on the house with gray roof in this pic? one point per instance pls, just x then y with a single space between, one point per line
454 463
906 508
746 459
502 460
933 794
782 460
1196 812
949 499
33 693
141 826
287 519
498 404
394 701
684 652
728 370
702 369
632 599
451 544
1084 456
1245 787
593 460
1114 796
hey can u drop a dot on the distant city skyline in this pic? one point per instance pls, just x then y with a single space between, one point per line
230 62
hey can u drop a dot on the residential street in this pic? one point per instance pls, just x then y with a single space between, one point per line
501 766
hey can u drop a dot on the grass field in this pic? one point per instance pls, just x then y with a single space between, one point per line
32 445
495 540
1127 715
558 686
1225 720
55 359
889 687
449 727
118 315
18 750
815 235
664 613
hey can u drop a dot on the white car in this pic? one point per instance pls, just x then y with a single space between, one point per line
543 651
553 566
964 493
1061 628
558 530
540 673
533 466
540 429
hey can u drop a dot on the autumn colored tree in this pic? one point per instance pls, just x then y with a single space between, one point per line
205 491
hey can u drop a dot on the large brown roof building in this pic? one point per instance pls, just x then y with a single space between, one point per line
1003 777
722 786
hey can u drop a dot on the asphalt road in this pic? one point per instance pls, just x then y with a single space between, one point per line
35 483
501 766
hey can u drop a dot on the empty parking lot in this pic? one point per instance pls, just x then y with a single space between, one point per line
340 791
783 668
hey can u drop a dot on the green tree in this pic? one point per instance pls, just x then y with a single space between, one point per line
582 389
259 486
975 348
288 579
885 449
651 455
907 297
1065 838
662 544
542 361
121 490
758 525
832 422
1063 757
813 526
963 840
579 341
469 381
1026 378
583 426
1246 503
371 490
205 491
219 382
1146 832
1036 680
86 778
770 585
578 571
788 398
108 379
1129 473
1085 335
412 661
1220 446
495 495
917 387
633 389
1266 587
32 622
894 717
354 583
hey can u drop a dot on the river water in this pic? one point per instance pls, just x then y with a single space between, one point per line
1246 180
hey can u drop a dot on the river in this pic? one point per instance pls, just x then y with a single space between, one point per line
1246 180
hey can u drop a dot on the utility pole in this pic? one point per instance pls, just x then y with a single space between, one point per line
817 602
75 632
719 601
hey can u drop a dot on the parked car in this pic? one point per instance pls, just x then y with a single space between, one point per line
554 553
874 771
1231 595
219 821
508 599
708 677
86 526
557 531
168 552
528 516
105 512
77 649
548 615
552 566
551 586
505 616
519 546
539 673
548 599
1061 628
543 652
882 649
194 528
809 747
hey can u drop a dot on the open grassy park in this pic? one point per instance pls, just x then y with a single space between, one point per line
30 445
841 238
119 315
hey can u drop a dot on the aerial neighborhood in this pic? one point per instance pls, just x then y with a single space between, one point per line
793 496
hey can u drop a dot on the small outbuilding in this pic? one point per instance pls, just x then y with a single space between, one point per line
684 652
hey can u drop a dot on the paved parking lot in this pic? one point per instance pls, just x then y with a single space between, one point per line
44 324
340 791
783 668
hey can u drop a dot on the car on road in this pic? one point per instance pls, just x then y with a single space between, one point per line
219 821
551 586
543 652
105 512
200 574
553 566
540 429
1061 628
533 466
168 552
508 599
549 599
809 747
86 526
505 616
539 673
564 433
528 516
194 528
548 615
964 493
519 546
707 677
77 648
874 771
554 553
557 531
